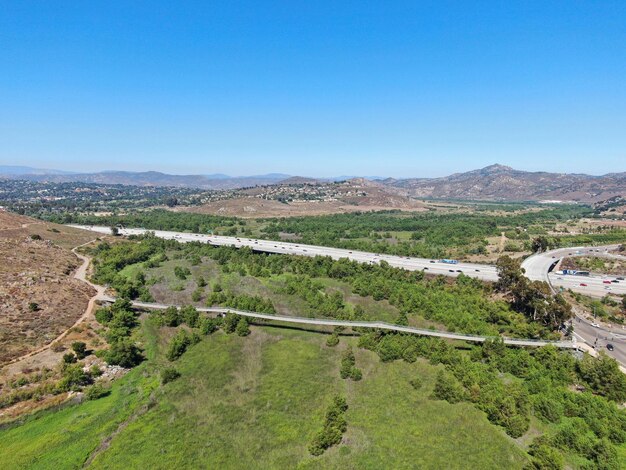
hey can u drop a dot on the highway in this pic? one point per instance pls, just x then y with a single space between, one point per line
537 268
431 266
593 332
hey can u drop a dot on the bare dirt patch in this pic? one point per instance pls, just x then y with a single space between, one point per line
39 297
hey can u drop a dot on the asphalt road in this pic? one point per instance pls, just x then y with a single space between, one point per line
431 266
592 332
536 266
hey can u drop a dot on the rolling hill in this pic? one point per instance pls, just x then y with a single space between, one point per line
503 183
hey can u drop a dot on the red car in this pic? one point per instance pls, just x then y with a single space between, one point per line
606 282
582 284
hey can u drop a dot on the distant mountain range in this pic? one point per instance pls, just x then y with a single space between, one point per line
503 183
144 178
6 170
492 183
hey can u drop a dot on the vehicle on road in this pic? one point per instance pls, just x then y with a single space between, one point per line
448 261
606 282
619 278
595 325
432 261
615 281
610 347
582 284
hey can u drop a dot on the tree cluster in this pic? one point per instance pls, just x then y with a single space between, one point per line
348 366
335 425
533 298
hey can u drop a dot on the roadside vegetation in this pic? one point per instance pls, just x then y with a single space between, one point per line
463 304
463 231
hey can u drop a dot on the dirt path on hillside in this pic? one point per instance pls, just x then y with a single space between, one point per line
502 242
44 353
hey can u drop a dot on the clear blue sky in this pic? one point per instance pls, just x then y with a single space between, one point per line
314 88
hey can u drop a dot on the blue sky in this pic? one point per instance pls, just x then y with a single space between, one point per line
313 88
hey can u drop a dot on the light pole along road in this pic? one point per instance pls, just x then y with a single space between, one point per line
537 268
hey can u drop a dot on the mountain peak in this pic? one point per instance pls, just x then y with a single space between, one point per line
496 168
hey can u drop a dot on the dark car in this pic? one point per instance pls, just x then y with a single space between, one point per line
431 261
619 278
610 347
459 271
451 270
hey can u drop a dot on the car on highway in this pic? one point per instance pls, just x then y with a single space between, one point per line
432 261
615 281
451 270
610 347
477 270
582 284
619 278
595 325
606 282
459 271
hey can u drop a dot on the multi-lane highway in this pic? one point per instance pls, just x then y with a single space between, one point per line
537 268
480 271
591 331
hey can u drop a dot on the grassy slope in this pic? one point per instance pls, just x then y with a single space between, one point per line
256 402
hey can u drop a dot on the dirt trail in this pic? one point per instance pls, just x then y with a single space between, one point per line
81 275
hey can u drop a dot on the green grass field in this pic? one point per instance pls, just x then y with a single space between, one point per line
256 402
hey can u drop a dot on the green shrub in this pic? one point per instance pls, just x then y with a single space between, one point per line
104 315
69 358
96 391
242 328
124 353
80 349
545 457
448 388
335 425
168 375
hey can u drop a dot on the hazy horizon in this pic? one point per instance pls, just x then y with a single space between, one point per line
268 173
